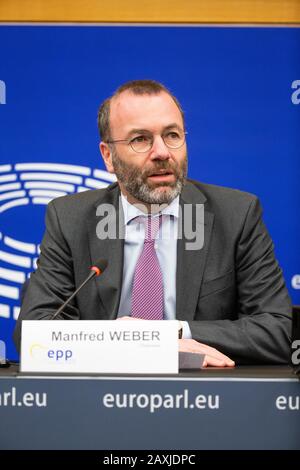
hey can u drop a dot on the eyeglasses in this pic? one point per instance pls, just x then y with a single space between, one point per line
144 142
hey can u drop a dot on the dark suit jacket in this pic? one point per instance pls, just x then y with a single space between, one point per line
231 291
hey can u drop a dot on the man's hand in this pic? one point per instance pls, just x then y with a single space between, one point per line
213 357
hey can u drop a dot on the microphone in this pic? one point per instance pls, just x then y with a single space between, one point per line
95 270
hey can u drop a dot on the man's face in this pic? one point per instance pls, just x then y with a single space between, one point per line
158 175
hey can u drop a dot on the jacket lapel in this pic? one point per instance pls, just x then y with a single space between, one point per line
107 241
191 262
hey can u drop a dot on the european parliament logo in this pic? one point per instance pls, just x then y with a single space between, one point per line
25 189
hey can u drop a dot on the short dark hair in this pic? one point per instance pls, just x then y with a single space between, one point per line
137 87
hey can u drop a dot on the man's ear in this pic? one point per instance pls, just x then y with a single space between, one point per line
107 156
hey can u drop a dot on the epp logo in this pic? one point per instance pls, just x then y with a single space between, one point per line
58 355
24 189
36 350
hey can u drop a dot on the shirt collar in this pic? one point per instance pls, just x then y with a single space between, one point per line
131 211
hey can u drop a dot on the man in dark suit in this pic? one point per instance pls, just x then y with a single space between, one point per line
224 286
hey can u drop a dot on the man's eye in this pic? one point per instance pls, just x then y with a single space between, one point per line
173 135
140 139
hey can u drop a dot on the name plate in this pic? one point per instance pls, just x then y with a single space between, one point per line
104 346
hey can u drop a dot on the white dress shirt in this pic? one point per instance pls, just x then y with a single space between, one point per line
166 248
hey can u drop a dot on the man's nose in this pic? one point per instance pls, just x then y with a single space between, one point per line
159 149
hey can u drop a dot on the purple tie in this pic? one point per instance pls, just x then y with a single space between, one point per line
147 300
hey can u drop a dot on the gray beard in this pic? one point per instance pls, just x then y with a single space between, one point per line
135 182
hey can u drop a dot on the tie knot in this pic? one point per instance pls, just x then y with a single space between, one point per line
152 225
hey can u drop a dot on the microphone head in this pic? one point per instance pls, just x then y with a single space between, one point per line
99 266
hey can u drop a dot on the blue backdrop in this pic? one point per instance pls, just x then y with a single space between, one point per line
240 93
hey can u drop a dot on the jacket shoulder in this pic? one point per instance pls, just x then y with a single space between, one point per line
82 200
224 197
216 191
